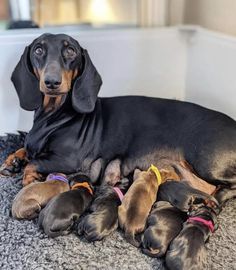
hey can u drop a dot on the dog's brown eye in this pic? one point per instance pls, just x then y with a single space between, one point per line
39 50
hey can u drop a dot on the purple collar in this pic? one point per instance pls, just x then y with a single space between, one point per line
52 177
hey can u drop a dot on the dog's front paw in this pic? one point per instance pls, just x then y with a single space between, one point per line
14 163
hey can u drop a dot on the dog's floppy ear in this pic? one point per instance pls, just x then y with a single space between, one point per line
86 87
26 84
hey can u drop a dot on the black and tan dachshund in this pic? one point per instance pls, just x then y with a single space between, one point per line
102 219
73 128
163 224
187 251
61 213
184 197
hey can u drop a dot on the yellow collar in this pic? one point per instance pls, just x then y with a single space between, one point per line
157 173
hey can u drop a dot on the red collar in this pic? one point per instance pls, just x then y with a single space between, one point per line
207 223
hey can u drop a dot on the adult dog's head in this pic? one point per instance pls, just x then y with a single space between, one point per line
51 67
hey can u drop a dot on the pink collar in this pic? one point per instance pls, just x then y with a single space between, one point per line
207 223
119 193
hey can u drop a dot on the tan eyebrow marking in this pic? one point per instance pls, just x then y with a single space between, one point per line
65 43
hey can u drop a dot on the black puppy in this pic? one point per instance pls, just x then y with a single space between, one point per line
103 217
60 214
163 225
183 196
187 251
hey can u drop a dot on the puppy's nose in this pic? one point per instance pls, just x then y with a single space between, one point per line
52 83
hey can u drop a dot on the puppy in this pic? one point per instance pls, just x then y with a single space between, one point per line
103 217
60 214
137 203
187 251
32 198
183 196
163 224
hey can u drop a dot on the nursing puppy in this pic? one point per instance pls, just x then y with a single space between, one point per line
102 219
183 196
163 224
138 201
187 251
60 214
32 198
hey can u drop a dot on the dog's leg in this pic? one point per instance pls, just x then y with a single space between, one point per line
31 174
14 163
219 170
225 193
227 177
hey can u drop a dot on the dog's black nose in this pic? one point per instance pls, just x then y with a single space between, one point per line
52 83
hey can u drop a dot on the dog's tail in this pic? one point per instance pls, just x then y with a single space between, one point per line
132 238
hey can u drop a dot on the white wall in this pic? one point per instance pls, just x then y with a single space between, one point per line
132 61
211 70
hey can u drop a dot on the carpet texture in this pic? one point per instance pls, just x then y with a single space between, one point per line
24 246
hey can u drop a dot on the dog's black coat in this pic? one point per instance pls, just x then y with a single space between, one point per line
183 196
85 128
187 251
163 225
61 213
102 219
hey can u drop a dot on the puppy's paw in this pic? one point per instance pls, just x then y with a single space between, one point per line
80 228
14 163
153 252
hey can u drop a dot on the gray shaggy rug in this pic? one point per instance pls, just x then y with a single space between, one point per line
24 246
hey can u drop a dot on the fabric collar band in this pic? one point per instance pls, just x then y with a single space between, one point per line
52 176
207 223
83 184
157 173
119 193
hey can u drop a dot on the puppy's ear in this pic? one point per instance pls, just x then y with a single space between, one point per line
86 87
136 174
26 83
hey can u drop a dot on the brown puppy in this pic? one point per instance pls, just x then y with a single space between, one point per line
138 201
32 198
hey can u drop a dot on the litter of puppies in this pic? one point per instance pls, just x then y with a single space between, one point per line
164 213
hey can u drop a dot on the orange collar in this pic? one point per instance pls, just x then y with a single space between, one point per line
83 184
